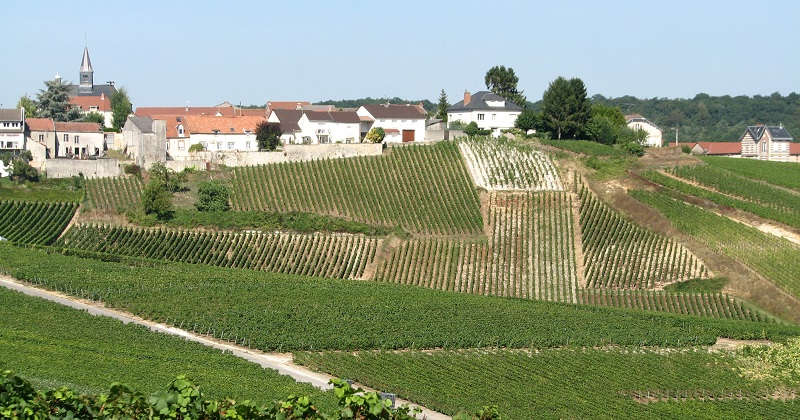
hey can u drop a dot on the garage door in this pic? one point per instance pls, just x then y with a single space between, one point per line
408 135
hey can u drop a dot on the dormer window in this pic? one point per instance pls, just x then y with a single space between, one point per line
180 130
215 131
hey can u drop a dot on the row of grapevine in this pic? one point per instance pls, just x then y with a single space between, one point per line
715 305
621 254
334 255
423 189
116 194
34 222
502 164
775 258
784 174
529 253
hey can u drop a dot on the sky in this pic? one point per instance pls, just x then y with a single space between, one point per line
170 53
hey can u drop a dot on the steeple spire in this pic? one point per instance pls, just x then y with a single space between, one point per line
86 63
86 86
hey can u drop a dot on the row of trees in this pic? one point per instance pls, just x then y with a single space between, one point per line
53 102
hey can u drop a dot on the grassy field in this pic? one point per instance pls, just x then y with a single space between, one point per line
332 255
52 346
34 222
280 312
529 253
775 258
785 174
567 383
45 190
423 189
621 254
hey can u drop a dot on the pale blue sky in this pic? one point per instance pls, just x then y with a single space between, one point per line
170 52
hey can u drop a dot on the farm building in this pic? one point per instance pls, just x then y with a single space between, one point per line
145 140
491 112
654 134
767 142
730 149
402 123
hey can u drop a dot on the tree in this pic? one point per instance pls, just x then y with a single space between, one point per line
156 199
29 105
268 136
120 107
212 196
376 135
472 130
171 180
565 108
94 117
606 124
54 102
441 107
502 81
21 169
528 119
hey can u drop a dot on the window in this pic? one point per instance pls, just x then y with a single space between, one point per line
230 145
41 137
494 117
349 140
322 138
180 130
77 139
167 145
66 138
480 117
181 144
92 108
247 145
219 145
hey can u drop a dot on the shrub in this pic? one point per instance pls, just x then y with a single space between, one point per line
94 117
197 147
635 149
472 130
212 196
172 181
376 135
133 169
686 149
156 199
21 170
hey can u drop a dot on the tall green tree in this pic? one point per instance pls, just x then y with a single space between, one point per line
441 107
29 105
528 119
53 102
120 107
565 108
502 81
606 124
268 136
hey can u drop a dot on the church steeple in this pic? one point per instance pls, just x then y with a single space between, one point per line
87 73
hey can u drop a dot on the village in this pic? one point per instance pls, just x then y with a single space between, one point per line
201 136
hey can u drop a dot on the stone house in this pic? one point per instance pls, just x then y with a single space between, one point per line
145 140
767 142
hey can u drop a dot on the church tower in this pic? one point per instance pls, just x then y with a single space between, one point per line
87 74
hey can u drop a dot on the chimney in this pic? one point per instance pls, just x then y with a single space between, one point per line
467 97
102 96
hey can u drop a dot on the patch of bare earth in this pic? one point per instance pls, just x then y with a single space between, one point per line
729 344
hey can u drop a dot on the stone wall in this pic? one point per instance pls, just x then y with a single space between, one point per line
290 153
65 168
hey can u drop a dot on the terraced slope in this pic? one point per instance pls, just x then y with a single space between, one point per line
423 189
117 194
622 255
502 164
529 253
34 222
331 255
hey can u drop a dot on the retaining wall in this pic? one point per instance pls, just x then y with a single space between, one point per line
65 168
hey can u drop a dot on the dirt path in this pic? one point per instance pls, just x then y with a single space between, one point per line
281 362
75 217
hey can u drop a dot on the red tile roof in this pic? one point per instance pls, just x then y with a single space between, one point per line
794 148
40 124
78 127
721 148
103 103
286 104
149 111
202 124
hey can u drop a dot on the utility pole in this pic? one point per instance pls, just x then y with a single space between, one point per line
676 135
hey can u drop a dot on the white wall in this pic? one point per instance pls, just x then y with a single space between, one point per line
290 153
418 125
90 141
97 168
178 148
337 132
14 141
495 120
653 133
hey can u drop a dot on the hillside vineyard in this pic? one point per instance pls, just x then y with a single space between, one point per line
503 165
117 194
34 222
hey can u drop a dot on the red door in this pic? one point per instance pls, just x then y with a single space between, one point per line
408 135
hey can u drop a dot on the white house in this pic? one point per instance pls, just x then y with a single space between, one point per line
323 127
654 134
768 142
402 123
79 140
488 110
287 120
12 130
95 104
215 134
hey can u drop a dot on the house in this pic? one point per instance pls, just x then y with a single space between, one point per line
488 110
401 122
326 127
730 149
287 120
215 133
40 136
145 140
79 140
89 97
767 142
12 130
654 134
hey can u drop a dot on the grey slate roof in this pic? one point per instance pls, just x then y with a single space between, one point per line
396 111
108 90
288 119
348 117
478 103
144 124
777 132
86 63
10 115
